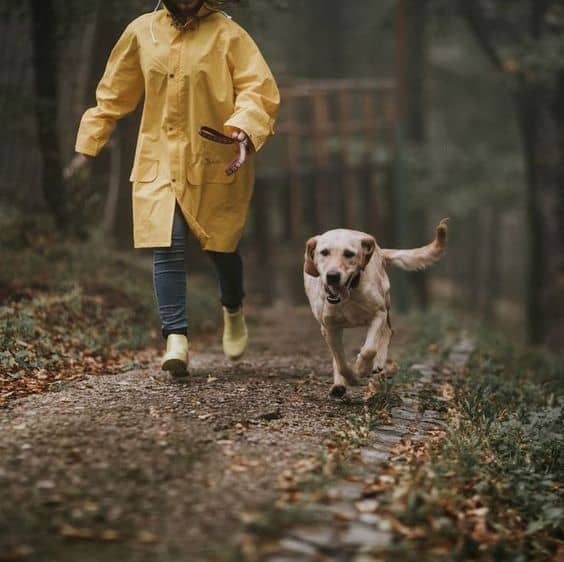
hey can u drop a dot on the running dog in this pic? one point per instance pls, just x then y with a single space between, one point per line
347 286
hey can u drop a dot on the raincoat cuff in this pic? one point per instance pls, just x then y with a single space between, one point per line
89 147
258 138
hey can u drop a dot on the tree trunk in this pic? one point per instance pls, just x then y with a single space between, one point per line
555 337
542 136
541 119
45 64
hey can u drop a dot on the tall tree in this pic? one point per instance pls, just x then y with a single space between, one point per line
45 65
525 40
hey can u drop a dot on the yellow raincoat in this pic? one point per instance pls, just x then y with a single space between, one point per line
211 75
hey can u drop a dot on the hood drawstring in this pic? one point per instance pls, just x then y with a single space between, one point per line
155 42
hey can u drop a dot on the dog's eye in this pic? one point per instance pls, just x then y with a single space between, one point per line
349 254
324 252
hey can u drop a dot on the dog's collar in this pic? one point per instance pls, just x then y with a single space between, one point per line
355 280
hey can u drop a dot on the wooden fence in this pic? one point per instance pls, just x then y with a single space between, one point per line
331 160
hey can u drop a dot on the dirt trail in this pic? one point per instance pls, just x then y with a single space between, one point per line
135 467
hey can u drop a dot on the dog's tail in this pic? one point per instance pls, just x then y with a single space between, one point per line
420 258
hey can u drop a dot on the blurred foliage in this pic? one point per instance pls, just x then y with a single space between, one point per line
535 58
472 157
472 160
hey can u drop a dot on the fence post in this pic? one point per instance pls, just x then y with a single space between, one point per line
320 129
295 218
347 187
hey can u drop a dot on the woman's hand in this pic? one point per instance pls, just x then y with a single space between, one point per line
78 162
245 145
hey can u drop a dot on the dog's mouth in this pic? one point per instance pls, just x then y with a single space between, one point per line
336 295
333 294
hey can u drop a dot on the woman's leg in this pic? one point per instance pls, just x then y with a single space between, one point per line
229 267
230 273
169 279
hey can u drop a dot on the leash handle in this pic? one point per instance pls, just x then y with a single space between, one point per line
215 136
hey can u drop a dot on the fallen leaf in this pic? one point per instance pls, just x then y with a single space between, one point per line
146 537
45 485
16 552
238 468
109 535
70 532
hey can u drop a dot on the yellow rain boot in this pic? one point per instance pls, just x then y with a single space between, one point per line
175 360
235 334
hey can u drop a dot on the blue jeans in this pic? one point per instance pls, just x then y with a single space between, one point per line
169 278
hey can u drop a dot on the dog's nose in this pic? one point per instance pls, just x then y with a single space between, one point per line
333 278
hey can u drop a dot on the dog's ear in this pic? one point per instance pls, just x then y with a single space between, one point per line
309 263
368 244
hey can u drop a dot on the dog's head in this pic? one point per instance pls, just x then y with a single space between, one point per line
338 256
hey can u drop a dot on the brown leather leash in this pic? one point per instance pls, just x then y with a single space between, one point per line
215 136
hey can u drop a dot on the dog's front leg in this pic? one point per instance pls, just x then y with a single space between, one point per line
342 373
383 344
365 359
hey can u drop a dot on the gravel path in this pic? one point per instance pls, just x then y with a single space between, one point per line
135 467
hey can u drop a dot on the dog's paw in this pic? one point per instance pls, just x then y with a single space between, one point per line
338 391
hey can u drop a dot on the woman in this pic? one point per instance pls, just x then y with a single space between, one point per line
195 67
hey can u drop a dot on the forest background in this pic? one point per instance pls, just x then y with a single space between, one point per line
478 136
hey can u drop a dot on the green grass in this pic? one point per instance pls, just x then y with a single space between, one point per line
492 488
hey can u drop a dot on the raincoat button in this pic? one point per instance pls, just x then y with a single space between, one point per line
173 180
171 75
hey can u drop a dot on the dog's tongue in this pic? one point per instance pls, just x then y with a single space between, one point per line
336 294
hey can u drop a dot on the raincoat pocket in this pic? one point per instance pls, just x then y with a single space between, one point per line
209 173
145 171
215 153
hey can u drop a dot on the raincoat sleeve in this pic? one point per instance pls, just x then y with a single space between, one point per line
118 94
256 93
